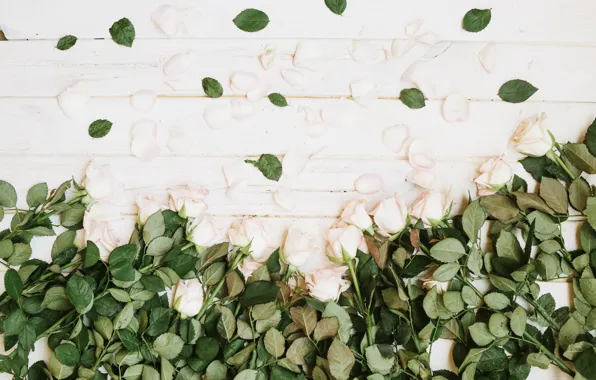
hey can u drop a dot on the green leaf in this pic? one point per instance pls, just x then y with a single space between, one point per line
275 343
516 91
591 212
494 359
123 32
448 250
345 322
153 283
56 299
21 253
79 293
226 326
473 220
579 191
278 99
123 271
67 354
247 374
412 97
446 272
154 227
498 325
27 336
508 247
13 284
590 139
104 326
341 360
212 87
91 256
66 42
336 6
168 345
251 20
377 362
476 20
580 157
8 195
453 301
529 201
15 322
480 334
555 195
299 350
124 317
150 373
63 242
499 207
326 328
207 348
214 274
519 319
269 165
585 363
263 311
100 128
536 359
6 249
37 194
234 284
216 370
305 317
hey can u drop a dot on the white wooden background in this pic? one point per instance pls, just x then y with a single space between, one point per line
551 43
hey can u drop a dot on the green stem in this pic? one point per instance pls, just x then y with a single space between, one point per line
414 334
552 155
559 363
55 325
360 302
543 313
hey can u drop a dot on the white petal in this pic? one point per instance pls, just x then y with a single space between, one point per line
284 198
242 109
191 21
488 57
409 77
294 163
167 18
236 170
423 178
399 48
456 108
309 114
244 82
419 157
179 141
259 92
218 117
436 50
143 100
307 55
395 137
413 27
428 38
178 64
236 188
268 57
366 51
368 183
147 139
292 77
364 92
73 102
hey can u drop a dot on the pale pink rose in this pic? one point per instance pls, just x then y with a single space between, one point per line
431 207
531 137
249 231
100 183
188 298
327 284
202 232
494 174
248 267
188 200
345 241
424 178
298 247
355 213
391 215
148 206
98 227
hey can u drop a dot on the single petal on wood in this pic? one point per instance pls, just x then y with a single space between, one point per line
368 183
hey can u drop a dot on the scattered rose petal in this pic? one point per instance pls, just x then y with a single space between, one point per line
284 198
428 38
242 109
418 156
250 84
316 130
218 116
268 57
167 18
488 57
179 141
236 188
309 114
366 51
191 21
293 77
73 102
423 178
456 107
307 54
236 170
147 139
395 137
399 48
368 183
413 28
436 50
143 100
294 163
364 92
408 77
178 64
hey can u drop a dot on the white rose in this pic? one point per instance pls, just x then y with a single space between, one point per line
298 247
99 182
188 299
494 174
391 215
345 241
250 232
202 232
188 200
428 281
327 284
98 225
431 207
248 267
355 213
148 206
531 137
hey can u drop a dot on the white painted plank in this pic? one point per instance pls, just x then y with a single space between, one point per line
557 21
36 68
353 130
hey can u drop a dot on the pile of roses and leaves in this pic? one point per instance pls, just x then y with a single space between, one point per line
166 305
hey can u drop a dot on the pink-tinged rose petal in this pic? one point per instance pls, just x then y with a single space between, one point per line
488 57
368 183
236 170
413 27
362 51
308 54
179 64
364 92
179 142
423 178
396 137
427 38
399 48
456 108
418 156
218 117
293 77
244 82
284 198
242 109
73 102
237 188
167 18
147 139
143 100
294 163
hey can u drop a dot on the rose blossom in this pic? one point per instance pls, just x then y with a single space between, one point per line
391 215
345 240
355 213
188 200
431 207
248 267
298 247
148 206
327 284
188 299
202 232
99 182
97 227
248 231
531 137
494 174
